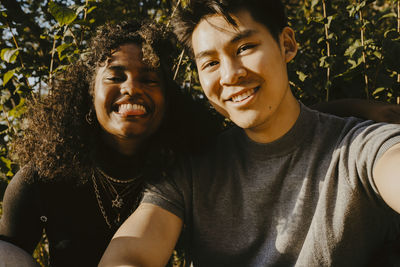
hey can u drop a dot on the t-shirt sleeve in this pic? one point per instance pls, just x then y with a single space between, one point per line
20 222
362 147
172 191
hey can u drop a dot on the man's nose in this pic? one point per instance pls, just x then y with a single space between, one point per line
231 72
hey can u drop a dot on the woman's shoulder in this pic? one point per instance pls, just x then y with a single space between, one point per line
27 175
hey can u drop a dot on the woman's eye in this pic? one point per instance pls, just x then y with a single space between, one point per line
151 82
115 78
245 47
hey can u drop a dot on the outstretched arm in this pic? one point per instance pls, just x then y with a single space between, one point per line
146 238
387 177
361 108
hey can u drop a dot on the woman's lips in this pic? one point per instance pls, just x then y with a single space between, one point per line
131 110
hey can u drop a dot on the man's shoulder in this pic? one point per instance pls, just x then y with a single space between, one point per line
332 125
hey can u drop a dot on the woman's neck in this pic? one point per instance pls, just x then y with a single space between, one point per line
120 165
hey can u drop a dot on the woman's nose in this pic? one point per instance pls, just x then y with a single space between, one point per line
131 87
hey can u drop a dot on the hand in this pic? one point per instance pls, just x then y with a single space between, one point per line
384 112
361 108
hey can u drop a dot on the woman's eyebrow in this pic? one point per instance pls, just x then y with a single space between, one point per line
116 67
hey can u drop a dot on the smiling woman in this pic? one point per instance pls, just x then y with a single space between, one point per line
128 99
114 119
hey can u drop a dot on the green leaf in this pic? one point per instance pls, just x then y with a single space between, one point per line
9 55
314 3
378 90
391 34
62 14
90 9
79 9
60 50
301 76
7 76
7 162
388 15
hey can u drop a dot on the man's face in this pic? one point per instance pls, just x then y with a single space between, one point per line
243 70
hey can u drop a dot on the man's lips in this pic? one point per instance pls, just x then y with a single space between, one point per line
242 95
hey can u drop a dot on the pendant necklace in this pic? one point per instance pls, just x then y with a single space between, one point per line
116 191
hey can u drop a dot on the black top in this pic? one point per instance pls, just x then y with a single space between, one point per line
69 213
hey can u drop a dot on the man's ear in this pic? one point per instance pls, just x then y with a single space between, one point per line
288 43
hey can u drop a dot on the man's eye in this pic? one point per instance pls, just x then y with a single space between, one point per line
245 47
210 64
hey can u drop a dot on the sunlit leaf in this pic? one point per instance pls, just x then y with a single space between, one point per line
60 49
62 14
301 76
314 3
9 55
7 76
378 90
79 9
389 15
91 9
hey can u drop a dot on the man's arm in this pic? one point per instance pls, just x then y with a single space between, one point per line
146 238
361 108
386 175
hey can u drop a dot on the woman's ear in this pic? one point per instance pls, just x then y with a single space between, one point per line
288 43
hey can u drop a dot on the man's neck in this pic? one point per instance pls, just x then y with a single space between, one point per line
278 124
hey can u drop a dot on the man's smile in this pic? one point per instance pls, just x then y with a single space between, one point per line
243 95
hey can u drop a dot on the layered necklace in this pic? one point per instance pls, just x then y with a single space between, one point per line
120 197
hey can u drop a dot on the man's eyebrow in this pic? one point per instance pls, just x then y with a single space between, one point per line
202 54
236 38
242 35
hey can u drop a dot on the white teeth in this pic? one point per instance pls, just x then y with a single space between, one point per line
131 107
238 98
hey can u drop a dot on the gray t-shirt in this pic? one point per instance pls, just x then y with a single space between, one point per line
307 199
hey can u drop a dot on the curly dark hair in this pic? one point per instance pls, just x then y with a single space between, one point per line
60 143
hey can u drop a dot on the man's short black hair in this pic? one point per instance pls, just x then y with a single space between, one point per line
270 13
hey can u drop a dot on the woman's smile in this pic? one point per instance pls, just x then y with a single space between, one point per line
129 95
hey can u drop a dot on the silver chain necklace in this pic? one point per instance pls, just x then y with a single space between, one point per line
112 179
116 198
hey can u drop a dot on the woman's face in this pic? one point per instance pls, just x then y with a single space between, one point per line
128 95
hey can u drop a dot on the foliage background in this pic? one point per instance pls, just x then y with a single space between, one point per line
348 48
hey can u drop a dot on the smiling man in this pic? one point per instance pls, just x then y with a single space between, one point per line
287 186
